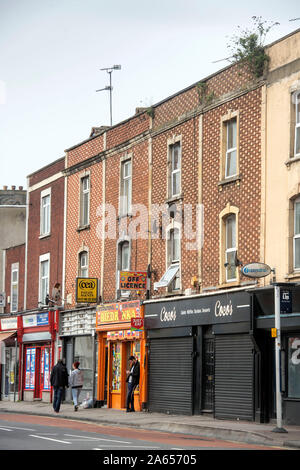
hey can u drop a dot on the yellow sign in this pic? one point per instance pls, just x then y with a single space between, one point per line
118 312
133 280
86 290
274 332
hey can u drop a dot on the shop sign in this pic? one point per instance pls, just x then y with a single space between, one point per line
2 299
117 312
137 324
39 319
133 280
285 301
86 290
256 270
9 323
124 334
210 309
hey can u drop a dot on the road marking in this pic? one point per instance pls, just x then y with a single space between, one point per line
23 429
5 429
97 438
49 439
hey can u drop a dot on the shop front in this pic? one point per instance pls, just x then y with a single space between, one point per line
264 323
201 355
77 334
9 363
117 341
37 341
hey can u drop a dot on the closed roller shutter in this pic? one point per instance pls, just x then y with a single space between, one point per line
233 377
170 375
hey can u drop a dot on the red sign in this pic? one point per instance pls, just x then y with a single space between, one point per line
137 323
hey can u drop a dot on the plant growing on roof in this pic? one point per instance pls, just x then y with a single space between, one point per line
248 47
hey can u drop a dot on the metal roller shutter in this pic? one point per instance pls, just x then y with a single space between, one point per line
233 377
170 375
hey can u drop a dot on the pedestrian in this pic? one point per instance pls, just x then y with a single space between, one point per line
59 380
76 383
133 380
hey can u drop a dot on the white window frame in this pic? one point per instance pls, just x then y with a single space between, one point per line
232 249
175 172
126 187
296 236
85 195
83 267
229 151
44 258
45 213
172 274
14 284
297 124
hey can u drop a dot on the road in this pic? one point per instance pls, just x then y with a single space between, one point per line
31 432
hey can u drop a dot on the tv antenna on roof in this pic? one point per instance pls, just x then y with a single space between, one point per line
109 87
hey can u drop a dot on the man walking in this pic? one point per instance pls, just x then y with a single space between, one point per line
59 380
133 379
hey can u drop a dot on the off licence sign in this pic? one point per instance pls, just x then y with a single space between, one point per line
133 280
86 290
137 323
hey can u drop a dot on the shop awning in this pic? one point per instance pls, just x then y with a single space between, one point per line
6 334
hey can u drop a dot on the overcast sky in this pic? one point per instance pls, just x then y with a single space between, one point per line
51 53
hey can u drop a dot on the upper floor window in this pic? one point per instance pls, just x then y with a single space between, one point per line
231 149
85 201
83 264
230 248
14 287
124 258
45 212
297 124
175 169
296 236
44 278
171 277
125 190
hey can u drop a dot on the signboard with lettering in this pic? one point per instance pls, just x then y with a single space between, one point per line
9 323
211 309
122 312
86 290
137 324
2 299
256 270
37 319
133 280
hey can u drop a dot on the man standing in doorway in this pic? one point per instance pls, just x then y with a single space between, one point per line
133 380
59 380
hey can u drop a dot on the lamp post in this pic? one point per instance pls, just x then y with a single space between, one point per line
109 87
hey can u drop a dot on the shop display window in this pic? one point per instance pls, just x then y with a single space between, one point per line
116 366
294 367
83 353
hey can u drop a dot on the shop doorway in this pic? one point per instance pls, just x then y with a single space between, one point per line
208 374
37 370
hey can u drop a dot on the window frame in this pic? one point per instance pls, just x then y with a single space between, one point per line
297 124
45 194
224 280
42 259
230 150
295 236
175 172
232 249
83 253
84 218
14 269
125 202
224 150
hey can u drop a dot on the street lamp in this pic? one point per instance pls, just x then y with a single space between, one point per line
109 87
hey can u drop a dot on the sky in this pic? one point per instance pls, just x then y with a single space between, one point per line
52 53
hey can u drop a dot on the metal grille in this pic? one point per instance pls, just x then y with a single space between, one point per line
234 377
170 375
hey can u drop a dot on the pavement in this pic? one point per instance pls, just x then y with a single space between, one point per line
196 425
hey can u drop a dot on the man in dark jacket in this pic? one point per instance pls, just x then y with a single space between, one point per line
133 380
59 380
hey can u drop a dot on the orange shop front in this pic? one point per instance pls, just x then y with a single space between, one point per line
116 343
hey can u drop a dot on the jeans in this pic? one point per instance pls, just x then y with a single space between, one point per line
57 398
130 397
75 395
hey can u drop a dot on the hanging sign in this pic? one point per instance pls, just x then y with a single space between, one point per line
137 324
133 280
86 290
256 270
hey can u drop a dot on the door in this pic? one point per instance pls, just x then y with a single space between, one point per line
208 375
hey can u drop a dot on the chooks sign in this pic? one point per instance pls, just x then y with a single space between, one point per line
133 280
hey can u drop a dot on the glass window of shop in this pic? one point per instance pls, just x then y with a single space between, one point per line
294 367
10 371
83 353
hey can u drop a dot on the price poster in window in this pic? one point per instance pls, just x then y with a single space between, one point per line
46 370
30 369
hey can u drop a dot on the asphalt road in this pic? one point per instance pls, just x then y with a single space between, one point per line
28 432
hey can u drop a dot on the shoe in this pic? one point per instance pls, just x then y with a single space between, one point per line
128 411
75 408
